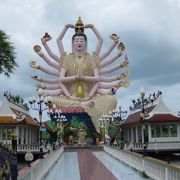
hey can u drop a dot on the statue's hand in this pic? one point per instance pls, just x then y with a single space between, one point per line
37 78
69 26
80 75
89 26
125 62
124 74
114 89
46 38
120 53
74 98
114 37
34 65
40 86
85 98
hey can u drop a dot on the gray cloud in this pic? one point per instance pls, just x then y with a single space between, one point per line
149 30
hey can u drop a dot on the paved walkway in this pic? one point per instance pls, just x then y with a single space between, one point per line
91 168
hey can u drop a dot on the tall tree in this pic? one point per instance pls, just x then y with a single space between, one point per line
7 55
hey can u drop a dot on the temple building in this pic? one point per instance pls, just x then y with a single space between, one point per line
151 122
14 116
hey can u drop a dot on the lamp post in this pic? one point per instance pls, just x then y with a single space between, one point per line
102 124
57 117
143 113
116 118
111 119
39 104
142 92
120 114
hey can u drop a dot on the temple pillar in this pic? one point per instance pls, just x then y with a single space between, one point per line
30 135
26 134
149 133
22 135
33 136
17 133
137 138
161 131
0 133
142 132
132 139
127 130
178 130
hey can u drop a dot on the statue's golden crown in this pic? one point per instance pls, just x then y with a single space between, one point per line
79 26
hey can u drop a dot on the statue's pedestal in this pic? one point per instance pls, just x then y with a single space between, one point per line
75 148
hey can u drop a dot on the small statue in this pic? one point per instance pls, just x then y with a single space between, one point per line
60 131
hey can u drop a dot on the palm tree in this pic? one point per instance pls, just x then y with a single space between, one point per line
7 55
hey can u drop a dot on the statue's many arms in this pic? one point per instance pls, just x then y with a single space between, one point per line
78 76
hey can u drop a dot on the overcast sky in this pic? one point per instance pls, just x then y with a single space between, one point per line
150 30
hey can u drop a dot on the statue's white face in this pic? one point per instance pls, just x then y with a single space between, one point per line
79 43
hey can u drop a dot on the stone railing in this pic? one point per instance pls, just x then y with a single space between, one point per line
155 146
40 167
153 168
164 145
25 147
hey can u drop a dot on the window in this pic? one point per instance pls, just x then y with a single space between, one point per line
9 131
153 131
134 134
4 134
158 131
140 133
165 131
0 134
173 130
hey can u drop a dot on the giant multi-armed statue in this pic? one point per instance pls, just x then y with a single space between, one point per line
78 76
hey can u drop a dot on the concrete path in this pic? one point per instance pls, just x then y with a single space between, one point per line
91 168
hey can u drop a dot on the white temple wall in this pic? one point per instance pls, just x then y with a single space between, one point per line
165 135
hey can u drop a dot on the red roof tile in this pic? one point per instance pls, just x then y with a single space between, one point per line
163 118
135 118
27 120
7 120
10 120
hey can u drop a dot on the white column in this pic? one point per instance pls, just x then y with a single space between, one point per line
161 131
127 130
149 132
17 133
22 134
39 136
129 134
26 134
169 131
33 136
142 132
132 139
178 130
36 135
30 135
137 138
0 133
